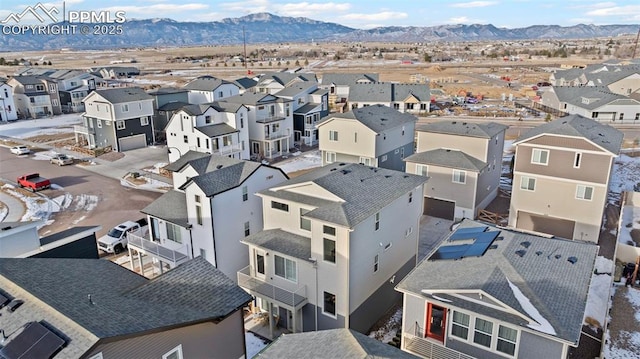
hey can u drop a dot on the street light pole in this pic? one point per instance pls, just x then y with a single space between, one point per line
175 148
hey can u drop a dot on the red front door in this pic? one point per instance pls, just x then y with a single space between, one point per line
436 322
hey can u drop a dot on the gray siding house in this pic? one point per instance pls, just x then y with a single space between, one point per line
193 311
488 292
121 118
406 98
166 102
334 241
376 136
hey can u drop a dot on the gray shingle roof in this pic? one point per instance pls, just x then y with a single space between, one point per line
123 302
171 207
308 108
124 94
330 344
204 83
347 79
557 288
602 135
250 98
388 92
285 78
30 80
172 106
365 191
184 160
448 158
217 129
463 128
597 96
167 91
297 88
377 117
195 110
281 241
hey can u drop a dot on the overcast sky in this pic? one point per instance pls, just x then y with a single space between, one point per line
365 14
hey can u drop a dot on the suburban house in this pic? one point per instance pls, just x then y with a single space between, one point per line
273 82
35 96
463 161
561 176
21 240
331 343
502 294
376 136
219 128
116 72
119 117
166 102
8 110
210 209
74 86
206 89
338 85
270 121
406 98
334 241
245 84
617 78
310 104
598 103
61 308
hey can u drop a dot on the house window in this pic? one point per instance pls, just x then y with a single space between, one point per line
459 177
366 161
54 102
422 170
173 233
396 106
376 263
333 135
175 353
507 339
280 206
207 119
408 231
220 94
125 107
245 194
305 223
330 157
120 125
410 197
377 221
329 303
528 183
99 123
384 158
39 87
540 157
460 325
206 143
329 230
482 332
198 142
637 117
329 251
144 121
355 137
260 263
621 116
285 268
199 214
241 122
584 192
247 229
185 138
577 159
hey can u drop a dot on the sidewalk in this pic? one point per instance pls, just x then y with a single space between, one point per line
14 207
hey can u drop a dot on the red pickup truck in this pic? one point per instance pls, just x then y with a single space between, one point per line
34 182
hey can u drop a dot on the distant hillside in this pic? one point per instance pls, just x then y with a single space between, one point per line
268 28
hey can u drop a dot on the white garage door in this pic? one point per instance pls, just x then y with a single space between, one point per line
132 142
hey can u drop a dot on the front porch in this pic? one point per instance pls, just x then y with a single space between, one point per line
416 343
163 255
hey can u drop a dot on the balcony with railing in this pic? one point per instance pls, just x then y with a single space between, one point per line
260 288
415 342
269 118
276 135
228 150
85 130
138 241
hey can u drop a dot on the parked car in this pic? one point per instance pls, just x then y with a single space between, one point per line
115 241
61 159
20 150
33 182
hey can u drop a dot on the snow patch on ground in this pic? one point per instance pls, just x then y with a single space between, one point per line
604 265
4 211
150 184
630 221
86 202
633 296
388 331
632 340
56 186
598 297
626 174
156 168
63 201
253 344
542 324
41 126
37 208
308 160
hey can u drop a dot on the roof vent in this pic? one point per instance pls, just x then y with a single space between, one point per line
572 260
464 124
525 244
387 176
521 253
6 228
344 172
342 164
493 246
333 169
14 304
405 176
558 256
538 253
218 167
453 122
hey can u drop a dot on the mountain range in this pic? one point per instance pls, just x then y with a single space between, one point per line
268 28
